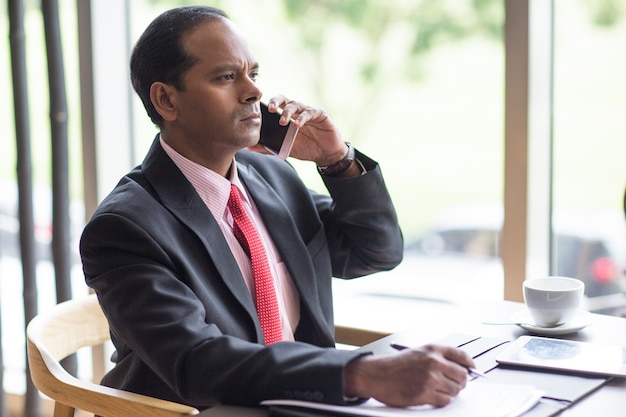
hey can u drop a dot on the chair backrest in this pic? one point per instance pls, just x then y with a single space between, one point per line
60 332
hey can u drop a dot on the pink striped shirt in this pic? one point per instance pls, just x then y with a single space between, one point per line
214 191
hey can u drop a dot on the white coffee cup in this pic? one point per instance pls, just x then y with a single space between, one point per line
553 301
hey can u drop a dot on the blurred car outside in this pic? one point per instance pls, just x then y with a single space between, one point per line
42 217
584 246
10 223
458 258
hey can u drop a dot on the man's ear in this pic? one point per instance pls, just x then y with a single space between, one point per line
163 97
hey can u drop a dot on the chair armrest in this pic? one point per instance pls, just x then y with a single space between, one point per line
356 337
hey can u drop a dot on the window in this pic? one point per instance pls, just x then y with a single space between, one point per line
420 87
589 177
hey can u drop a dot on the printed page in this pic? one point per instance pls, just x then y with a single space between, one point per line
478 399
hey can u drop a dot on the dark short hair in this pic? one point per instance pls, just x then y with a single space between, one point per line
159 55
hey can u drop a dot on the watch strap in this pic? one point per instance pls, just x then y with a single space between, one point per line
341 165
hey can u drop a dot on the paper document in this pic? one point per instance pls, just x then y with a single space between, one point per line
478 399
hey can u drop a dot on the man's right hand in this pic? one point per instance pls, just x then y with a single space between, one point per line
431 374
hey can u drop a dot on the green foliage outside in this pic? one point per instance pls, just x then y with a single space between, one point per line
418 84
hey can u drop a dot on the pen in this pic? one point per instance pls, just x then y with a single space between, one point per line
471 371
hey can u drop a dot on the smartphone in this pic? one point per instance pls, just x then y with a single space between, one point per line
276 138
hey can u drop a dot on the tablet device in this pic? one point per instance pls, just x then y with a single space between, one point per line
565 355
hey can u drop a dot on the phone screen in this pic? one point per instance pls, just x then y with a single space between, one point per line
276 138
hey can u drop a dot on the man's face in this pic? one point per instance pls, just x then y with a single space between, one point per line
217 110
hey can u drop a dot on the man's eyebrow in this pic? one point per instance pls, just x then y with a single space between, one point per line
233 67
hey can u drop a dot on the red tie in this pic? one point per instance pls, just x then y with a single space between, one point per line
264 292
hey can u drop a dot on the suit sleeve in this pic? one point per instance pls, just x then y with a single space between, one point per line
361 223
170 336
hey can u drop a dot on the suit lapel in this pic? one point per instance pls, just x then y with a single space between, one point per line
180 198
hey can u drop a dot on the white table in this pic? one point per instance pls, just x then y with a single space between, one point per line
607 401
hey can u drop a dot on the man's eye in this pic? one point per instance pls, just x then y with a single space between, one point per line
230 76
254 76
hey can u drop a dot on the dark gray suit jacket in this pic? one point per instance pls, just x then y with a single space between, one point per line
182 320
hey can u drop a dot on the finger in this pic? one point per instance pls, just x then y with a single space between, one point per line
456 374
306 115
291 111
280 102
453 363
276 102
440 393
458 356
450 386
440 399
294 111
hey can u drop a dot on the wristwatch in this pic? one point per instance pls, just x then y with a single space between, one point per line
340 166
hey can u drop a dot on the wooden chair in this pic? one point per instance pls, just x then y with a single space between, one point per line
354 336
61 331
71 325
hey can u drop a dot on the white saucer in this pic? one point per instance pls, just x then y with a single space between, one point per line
582 320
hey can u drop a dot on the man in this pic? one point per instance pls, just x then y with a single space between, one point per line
178 288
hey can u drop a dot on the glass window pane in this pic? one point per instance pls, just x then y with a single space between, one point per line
589 149
439 139
418 86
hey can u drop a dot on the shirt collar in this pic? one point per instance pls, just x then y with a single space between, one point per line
212 188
